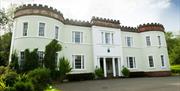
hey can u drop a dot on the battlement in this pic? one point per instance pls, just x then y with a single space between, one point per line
128 28
105 22
151 27
40 9
77 22
44 10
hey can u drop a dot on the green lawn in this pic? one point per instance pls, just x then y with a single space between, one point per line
175 68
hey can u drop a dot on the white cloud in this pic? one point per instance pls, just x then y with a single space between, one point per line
129 12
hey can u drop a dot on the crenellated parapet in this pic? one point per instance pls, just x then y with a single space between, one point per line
105 22
44 10
128 29
77 22
38 10
150 27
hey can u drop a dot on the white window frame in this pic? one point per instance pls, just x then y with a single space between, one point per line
148 44
82 62
110 40
20 58
39 58
134 62
39 30
163 60
25 33
152 61
131 41
74 37
56 32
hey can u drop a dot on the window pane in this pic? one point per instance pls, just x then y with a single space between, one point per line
129 41
78 62
148 42
56 32
107 38
151 63
159 40
41 29
77 37
162 60
131 65
25 27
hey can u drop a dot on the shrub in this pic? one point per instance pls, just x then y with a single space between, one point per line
64 67
23 86
99 73
40 78
125 72
14 62
50 54
31 60
10 78
2 85
9 89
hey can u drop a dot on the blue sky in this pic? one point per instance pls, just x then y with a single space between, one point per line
129 12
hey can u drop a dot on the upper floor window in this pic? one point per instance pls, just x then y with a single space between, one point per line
148 41
159 40
56 32
78 62
162 61
107 38
131 62
25 28
129 41
77 37
151 63
41 29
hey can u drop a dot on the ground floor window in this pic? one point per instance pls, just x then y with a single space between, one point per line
162 61
78 62
22 58
131 62
41 57
151 63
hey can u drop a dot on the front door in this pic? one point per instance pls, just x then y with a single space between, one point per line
109 67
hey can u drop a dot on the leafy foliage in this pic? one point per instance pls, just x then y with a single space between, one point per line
50 54
10 78
14 62
64 67
40 78
5 42
23 86
125 72
31 60
99 72
173 45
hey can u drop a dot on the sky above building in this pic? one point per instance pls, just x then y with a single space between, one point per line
129 12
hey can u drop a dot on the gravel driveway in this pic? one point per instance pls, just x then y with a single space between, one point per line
125 84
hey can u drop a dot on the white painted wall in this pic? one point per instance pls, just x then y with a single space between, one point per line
92 46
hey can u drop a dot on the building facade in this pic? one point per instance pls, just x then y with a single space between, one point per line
100 43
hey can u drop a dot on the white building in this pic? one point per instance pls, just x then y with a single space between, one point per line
89 45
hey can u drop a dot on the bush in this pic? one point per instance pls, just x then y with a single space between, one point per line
10 78
175 69
64 68
23 86
125 72
14 62
2 85
40 78
99 73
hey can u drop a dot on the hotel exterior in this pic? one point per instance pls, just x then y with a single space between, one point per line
99 43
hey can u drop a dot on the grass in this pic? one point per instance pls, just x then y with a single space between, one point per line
175 68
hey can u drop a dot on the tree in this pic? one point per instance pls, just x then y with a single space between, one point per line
5 43
31 60
3 18
173 46
64 67
50 54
